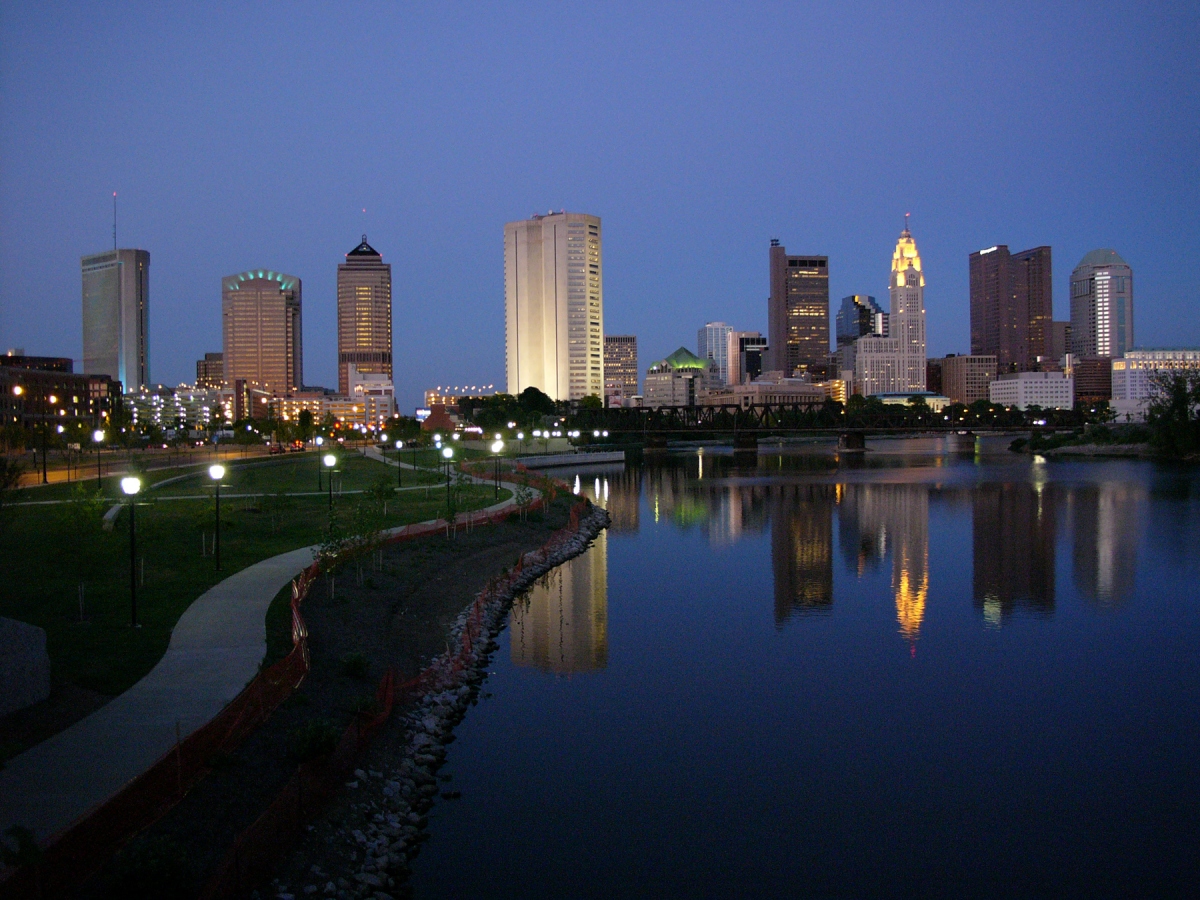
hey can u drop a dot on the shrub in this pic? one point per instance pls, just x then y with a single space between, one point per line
154 868
356 665
312 740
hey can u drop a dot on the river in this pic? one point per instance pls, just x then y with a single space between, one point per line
927 670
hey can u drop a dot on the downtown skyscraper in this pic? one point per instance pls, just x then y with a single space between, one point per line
798 313
894 364
554 305
260 329
116 316
1102 306
1012 306
364 315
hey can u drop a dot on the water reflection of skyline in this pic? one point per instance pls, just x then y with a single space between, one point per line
561 624
877 525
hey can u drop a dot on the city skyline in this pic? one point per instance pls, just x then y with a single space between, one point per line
673 138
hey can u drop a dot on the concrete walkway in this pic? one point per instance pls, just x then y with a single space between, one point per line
215 650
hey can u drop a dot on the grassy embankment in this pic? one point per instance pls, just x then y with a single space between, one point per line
1099 436
51 549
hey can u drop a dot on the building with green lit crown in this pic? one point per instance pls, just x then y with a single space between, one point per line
260 328
681 379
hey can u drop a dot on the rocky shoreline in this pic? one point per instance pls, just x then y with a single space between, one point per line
387 826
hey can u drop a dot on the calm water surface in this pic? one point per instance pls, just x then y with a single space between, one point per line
926 672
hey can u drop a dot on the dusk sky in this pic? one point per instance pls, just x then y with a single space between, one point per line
254 135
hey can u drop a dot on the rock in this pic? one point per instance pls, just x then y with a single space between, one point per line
330 888
369 879
360 774
24 665
352 784
310 889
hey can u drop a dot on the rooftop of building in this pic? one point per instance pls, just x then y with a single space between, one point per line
234 282
682 358
1102 258
364 249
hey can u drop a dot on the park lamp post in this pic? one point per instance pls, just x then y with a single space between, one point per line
497 449
216 473
330 461
98 439
131 484
399 468
318 440
448 454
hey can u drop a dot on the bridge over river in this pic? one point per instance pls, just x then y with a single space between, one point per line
746 425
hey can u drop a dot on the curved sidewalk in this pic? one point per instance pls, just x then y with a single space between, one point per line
215 650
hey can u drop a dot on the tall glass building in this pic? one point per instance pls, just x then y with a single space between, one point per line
858 316
1102 306
116 316
364 315
260 326
798 313
712 342
554 305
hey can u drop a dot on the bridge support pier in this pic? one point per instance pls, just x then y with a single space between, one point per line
852 441
656 442
743 441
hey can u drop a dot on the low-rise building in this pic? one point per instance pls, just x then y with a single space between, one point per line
682 379
935 402
1049 390
1093 377
772 387
965 379
1133 374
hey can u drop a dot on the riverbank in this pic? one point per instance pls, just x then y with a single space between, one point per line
364 842
397 617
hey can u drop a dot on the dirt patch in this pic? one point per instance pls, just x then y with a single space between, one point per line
65 706
398 616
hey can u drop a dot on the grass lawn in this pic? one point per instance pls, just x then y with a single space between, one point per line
49 550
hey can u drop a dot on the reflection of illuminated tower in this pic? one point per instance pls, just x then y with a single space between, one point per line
1013 529
624 500
1106 525
561 625
875 519
802 550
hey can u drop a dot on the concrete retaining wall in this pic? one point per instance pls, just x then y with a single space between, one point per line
571 459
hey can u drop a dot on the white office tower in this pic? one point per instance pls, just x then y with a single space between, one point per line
554 305
712 342
116 317
1102 306
907 321
894 364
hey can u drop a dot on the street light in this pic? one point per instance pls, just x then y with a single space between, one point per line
98 439
216 473
131 484
448 454
399 468
498 448
330 461
318 440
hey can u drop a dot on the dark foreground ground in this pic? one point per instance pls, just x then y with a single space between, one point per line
399 616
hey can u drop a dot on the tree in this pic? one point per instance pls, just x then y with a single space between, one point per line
534 401
591 401
10 477
1174 412
304 425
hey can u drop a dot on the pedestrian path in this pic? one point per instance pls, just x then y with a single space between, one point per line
215 650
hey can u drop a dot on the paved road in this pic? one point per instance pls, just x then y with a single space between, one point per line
216 648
